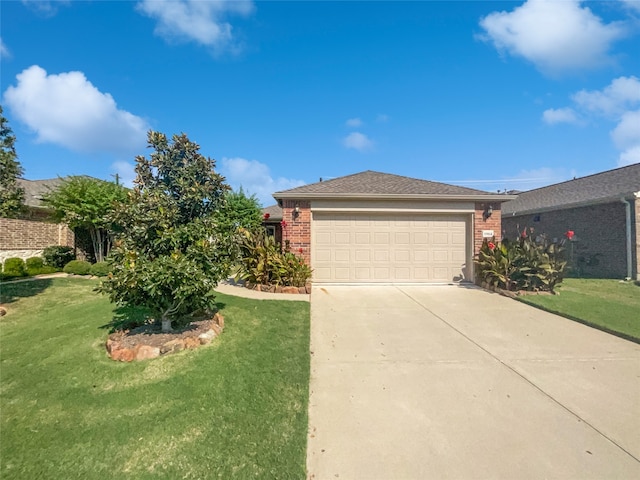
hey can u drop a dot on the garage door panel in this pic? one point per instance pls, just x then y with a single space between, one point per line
342 255
388 248
342 238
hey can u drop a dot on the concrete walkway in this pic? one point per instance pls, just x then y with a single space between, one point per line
240 291
454 382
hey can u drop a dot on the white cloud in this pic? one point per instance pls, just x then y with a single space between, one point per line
199 21
626 136
554 35
629 156
354 122
617 102
4 51
68 110
614 99
382 117
126 172
255 178
632 4
358 141
560 115
46 8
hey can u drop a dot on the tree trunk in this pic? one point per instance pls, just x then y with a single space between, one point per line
166 325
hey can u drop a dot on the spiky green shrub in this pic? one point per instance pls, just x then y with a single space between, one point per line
524 264
77 267
264 262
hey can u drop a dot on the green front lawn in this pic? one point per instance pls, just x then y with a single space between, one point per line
610 305
234 409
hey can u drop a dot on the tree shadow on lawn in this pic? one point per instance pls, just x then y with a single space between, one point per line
128 318
13 291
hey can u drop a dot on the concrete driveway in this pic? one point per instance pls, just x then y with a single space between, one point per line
453 382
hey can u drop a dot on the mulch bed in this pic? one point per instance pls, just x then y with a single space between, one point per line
148 341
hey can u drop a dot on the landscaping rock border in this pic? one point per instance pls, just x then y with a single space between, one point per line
143 343
279 289
510 293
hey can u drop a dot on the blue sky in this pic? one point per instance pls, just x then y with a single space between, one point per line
491 95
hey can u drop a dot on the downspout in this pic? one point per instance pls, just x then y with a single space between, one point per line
627 209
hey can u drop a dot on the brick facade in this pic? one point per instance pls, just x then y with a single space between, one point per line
19 234
599 249
491 223
26 238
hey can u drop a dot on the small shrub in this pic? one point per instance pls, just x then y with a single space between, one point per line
34 263
100 269
14 267
58 256
77 267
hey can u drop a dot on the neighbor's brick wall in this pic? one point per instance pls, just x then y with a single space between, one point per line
298 229
21 234
492 223
599 230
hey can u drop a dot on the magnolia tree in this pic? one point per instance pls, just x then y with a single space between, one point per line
85 202
169 251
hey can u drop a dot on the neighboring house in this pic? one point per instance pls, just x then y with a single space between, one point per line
373 227
271 219
602 210
28 235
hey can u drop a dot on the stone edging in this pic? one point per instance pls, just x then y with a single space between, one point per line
509 293
279 289
117 351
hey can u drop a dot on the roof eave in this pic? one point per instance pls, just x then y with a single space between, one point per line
563 206
498 197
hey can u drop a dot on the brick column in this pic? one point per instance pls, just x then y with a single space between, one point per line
494 222
298 227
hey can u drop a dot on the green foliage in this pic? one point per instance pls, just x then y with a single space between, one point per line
11 193
170 252
77 267
14 267
58 256
246 396
100 269
34 263
264 262
239 211
521 265
85 202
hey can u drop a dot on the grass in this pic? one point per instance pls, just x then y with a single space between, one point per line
234 409
609 305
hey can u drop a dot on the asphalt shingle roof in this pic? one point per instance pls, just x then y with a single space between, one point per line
601 187
376 183
274 211
35 189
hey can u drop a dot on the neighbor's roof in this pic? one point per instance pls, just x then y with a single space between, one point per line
274 211
371 184
35 189
603 187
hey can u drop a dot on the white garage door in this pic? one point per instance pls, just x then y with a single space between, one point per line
388 248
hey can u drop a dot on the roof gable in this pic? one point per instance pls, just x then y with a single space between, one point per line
598 188
370 183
